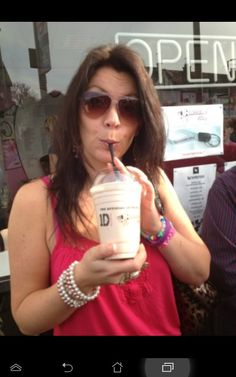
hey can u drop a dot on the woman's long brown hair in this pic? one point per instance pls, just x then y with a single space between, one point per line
146 152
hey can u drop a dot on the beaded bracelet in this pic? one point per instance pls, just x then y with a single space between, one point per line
163 236
70 292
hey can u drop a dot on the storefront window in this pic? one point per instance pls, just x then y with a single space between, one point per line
193 67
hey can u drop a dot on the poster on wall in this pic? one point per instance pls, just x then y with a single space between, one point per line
34 124
10 154
193 131
15 173
192 184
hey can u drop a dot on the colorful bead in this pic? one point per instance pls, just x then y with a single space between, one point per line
162 237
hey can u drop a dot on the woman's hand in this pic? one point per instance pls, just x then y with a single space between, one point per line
150 218
95 269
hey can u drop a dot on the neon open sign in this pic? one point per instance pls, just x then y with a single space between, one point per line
219 50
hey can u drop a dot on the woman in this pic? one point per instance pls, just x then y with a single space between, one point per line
230 131
111 100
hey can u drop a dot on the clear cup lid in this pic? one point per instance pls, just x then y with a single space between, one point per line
112 176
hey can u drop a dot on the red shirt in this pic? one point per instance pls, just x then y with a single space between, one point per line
143 306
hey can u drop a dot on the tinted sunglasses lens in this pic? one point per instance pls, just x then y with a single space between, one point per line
129 108
97 105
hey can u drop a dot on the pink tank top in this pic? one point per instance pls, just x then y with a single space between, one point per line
143 306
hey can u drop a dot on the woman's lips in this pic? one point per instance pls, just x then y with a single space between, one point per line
109 141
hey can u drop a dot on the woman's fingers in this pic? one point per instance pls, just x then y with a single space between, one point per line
137 173
99 255
141 256
120 165
138 265
102 251
129 169
98 270
148 191
130 265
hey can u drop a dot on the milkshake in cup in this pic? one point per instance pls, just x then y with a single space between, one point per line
117 200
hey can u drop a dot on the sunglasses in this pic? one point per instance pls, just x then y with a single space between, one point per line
96 104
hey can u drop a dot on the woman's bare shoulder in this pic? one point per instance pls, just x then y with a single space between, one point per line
31 195
164 182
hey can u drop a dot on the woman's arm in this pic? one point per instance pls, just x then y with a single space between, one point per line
37 306
186 253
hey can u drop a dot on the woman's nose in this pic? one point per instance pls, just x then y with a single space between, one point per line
112 118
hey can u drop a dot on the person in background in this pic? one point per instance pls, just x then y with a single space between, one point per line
230 131
218 232
111 99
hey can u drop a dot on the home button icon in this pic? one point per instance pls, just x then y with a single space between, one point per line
117 367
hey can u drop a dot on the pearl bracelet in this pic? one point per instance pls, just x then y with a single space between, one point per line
63 294
70 292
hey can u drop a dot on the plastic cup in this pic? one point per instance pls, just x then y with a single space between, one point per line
117 200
